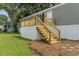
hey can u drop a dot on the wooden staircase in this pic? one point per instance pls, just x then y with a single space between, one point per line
46 37
48 30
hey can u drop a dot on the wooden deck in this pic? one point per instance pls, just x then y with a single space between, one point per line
48 30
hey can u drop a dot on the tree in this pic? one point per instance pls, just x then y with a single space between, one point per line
3 19
17 11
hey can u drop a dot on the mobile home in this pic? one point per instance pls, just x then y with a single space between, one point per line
60 21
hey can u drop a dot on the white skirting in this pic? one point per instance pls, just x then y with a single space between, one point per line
30 32
69 31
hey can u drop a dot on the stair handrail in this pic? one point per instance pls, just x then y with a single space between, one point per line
52 24
43 23
45 28
54 27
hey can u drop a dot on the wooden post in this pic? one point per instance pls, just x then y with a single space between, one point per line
24 23
29 22
35 21
59 36
50 38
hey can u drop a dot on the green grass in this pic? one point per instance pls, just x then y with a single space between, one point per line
13 45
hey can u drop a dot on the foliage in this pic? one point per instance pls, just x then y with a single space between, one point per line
21 10
3 19
17 11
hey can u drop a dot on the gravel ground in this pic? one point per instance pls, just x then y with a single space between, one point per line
63 48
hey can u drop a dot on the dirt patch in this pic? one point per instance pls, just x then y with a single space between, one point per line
63 48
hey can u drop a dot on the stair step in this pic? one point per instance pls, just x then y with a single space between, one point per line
43 33
41 28
52 42
45 38
53 38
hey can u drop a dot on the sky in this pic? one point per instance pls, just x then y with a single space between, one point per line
2 11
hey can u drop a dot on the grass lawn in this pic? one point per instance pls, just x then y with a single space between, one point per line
13 45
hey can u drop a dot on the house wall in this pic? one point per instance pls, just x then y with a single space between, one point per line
67 20
70 32
67 14
30 32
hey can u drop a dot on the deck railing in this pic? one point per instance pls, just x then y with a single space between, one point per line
44 29
47 27
28 22
54 30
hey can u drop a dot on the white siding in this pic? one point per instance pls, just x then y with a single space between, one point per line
49 14
69 31
67 14
30 32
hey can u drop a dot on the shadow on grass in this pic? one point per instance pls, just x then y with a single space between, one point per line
3 32
21 38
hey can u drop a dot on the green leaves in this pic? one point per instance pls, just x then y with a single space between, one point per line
3 19
20 10
17 11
